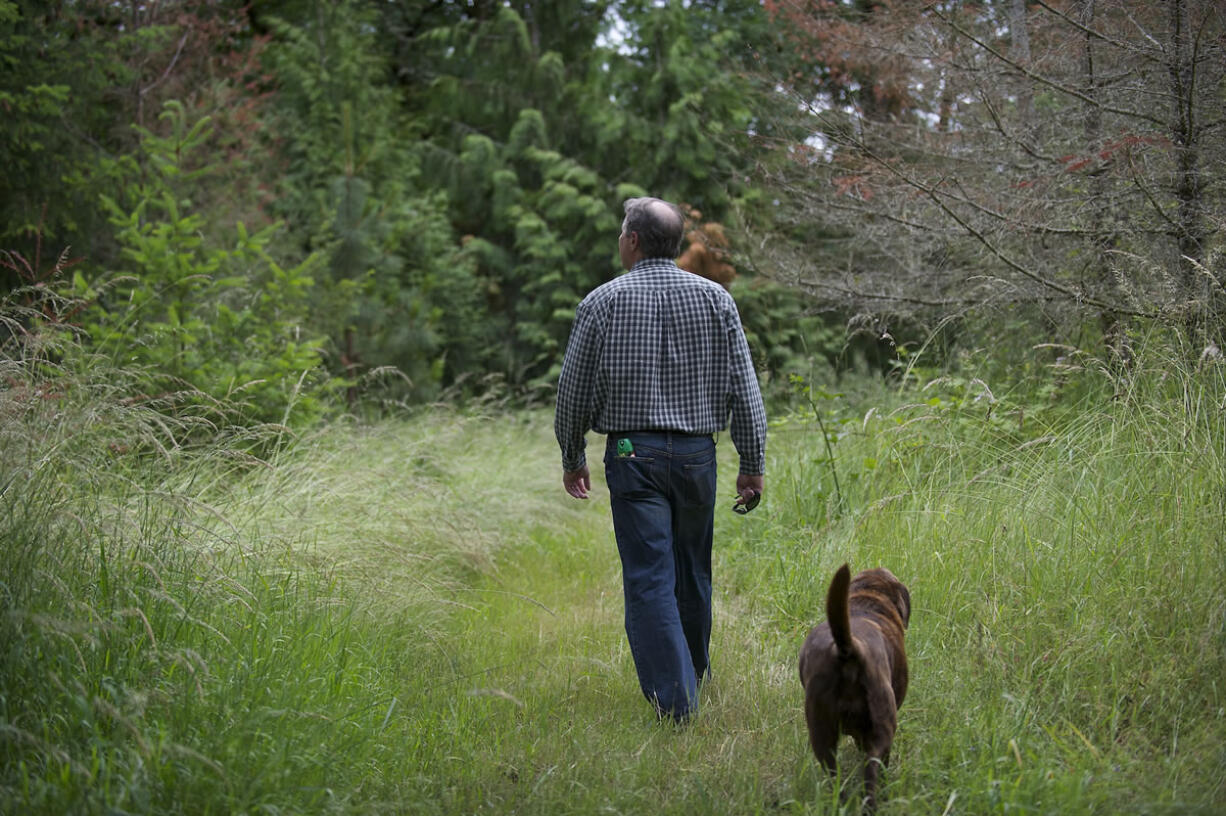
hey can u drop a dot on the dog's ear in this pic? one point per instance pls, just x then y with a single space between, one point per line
904 604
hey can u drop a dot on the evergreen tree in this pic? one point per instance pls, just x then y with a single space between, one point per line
191 317
75 77
537 222
57 72
351 189
544 124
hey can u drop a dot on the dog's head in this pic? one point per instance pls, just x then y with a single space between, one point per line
881 581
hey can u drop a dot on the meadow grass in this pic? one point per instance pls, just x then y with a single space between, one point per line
412 616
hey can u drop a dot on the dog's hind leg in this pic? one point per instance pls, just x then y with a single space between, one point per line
872 767
824 750
824 741
878 750
823 733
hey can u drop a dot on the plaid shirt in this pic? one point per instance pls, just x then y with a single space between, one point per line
659 348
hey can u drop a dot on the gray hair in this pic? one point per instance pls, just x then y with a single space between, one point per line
659 224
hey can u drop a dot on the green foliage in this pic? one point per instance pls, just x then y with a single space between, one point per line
75 76
54 76
175 636
332 631
542 239
687 104
542 129
398 293
225 322
783 338
458 170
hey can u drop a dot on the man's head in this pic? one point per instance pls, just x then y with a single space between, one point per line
653 228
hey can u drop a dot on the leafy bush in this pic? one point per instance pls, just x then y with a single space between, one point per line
226 323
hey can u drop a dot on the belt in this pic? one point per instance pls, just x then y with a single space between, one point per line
645 431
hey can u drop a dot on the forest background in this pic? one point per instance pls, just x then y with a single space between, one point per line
262 262
405 200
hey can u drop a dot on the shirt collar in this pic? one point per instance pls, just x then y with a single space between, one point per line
650 265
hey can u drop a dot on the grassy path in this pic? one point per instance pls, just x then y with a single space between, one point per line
412 617
541 712
1030 648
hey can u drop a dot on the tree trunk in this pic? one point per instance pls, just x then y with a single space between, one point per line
1020 35
1190 230
1100 275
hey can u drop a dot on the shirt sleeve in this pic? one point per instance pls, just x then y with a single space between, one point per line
748 424
576 385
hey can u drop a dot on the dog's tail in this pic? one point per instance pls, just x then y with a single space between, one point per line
837 612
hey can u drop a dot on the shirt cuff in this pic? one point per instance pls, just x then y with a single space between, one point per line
752 466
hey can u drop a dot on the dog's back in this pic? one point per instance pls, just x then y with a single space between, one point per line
854 667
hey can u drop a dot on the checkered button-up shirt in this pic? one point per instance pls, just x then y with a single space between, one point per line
659 349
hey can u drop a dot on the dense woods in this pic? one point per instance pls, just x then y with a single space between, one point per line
300 201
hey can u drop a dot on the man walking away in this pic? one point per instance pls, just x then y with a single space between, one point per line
657 361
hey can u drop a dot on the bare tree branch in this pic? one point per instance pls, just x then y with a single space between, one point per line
1055 86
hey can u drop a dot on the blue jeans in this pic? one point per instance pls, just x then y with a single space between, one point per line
663 502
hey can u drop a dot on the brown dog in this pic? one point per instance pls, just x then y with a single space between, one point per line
854 669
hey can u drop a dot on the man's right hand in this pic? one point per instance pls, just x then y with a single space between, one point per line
747 485
577 482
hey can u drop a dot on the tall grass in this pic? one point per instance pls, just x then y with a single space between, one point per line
1068 643
188 627
412 617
